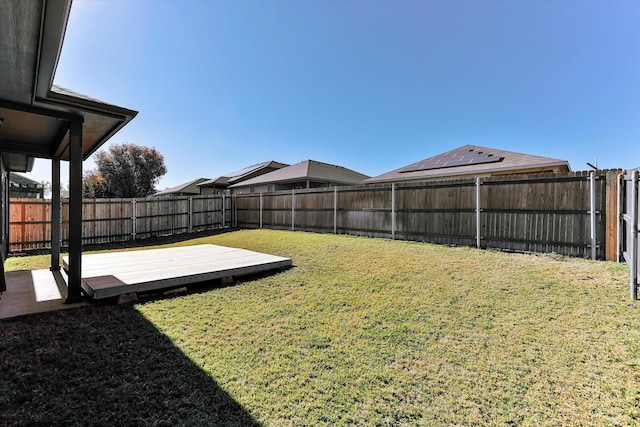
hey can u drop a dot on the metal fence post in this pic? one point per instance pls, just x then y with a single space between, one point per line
335 210
634 226
592 198
393 210
620 218
234 206
261 210
190 214
224 211
134 220
478 237
293 209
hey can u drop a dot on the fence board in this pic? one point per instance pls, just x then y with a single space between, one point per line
531 213
112 220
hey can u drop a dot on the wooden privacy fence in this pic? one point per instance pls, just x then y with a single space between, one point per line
629 226
117 220
567 213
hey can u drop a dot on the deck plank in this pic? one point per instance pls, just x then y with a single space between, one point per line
115 273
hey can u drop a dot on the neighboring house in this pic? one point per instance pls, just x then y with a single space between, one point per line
306 174
22 187
222 184
470 161
187 189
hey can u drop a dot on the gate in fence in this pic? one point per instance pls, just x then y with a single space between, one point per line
629 227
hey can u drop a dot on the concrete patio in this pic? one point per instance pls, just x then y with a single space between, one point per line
36 291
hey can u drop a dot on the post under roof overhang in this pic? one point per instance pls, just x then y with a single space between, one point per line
42 120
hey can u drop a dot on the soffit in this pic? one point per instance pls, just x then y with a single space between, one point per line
37 114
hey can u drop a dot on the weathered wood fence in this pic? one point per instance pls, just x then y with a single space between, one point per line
569 213
117 220
629 226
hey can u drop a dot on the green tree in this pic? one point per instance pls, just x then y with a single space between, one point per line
94 185
124 170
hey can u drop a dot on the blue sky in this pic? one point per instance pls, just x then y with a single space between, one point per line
369 85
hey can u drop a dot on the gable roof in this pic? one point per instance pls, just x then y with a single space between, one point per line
17 180
472 160
242 174
182 188
308 170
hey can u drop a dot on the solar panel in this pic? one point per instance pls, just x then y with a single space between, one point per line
245 170
453 158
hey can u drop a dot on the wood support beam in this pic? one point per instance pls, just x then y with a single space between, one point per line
55 214
28 149
75 213
42 111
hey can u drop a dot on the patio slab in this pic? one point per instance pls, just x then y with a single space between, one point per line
37 291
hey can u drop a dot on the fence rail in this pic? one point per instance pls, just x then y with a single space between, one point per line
117 220
629 226
571 214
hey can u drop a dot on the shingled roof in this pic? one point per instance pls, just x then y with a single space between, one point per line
472 160
186 188
308 170
243 174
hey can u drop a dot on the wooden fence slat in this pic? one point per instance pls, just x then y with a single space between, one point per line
537 213
533 213
111 220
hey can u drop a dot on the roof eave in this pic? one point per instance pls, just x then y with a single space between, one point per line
53 28
398 177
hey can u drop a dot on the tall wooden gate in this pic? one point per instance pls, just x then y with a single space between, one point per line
629 227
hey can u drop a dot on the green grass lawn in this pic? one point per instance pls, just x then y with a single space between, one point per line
361 331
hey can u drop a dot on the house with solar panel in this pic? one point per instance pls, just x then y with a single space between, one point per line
472 161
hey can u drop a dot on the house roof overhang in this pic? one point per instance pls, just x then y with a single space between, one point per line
509 163
36 114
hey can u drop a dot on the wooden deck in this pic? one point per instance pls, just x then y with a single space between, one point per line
116 273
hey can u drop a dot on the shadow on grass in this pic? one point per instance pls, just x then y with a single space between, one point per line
104 365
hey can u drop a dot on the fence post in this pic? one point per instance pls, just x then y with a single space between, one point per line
224 212
190 214
134 220
234 206
619 217
293 209
335 210
592 198
633 252
393 210
478 237
261 209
